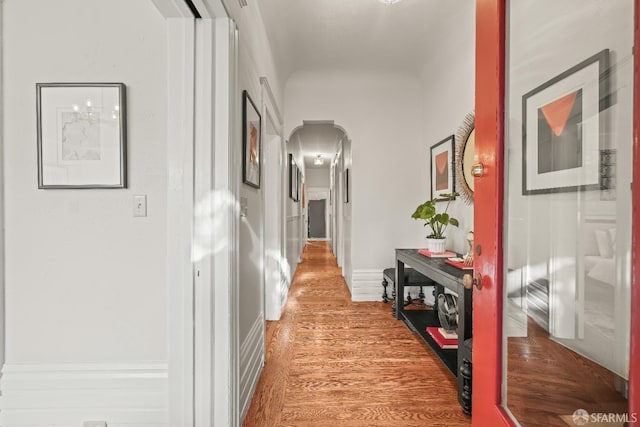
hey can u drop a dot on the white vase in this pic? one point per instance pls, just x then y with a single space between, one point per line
436 245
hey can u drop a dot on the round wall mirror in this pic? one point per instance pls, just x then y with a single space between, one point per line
465 154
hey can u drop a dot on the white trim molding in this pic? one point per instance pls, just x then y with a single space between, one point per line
284 291
180 210
367 285
251 356
273 103
132 395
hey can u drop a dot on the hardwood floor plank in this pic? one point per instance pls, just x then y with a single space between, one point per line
333 362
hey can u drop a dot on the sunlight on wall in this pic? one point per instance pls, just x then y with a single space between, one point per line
211 216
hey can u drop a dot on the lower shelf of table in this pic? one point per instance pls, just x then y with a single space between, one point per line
418 320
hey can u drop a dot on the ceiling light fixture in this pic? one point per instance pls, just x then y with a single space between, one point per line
389 2
318 161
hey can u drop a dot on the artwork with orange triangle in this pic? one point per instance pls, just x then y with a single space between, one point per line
557 112
442 171
560 134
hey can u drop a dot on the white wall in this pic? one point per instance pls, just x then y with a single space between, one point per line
85 282
255 61
448 94
2 211
317 177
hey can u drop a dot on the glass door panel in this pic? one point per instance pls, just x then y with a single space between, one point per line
568 142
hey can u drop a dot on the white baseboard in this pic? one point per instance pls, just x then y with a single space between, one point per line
284 292
131 395
251 363
367 286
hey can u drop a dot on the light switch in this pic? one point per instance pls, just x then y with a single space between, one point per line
140 205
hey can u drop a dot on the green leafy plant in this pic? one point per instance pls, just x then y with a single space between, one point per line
437 222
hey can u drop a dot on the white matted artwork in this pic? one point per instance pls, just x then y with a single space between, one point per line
81 135
561 129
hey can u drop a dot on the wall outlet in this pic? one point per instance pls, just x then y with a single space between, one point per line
94 424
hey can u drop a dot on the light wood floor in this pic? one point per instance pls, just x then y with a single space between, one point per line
546 380
333 362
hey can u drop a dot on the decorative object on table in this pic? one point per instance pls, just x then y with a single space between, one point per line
443 342
251 144
458 263
468 257
442 171
465 157
448 311
561 135
444 254
81 135
437 222
346 185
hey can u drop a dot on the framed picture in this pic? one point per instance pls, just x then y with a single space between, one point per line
442 168
292 176
561 129
346 185
251 144
81 135
298 183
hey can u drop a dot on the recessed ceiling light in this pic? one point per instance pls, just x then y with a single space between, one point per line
388 2
318 161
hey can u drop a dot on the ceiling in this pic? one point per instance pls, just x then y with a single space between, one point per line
355 34
318 138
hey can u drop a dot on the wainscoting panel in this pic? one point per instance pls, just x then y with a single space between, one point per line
251 363
367 285
131 395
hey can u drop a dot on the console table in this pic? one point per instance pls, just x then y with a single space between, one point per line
445 276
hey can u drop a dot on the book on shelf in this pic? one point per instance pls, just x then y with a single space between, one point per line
458 263
445 254
443 343
448 334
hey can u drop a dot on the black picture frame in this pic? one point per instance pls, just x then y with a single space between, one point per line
346 185
292 176
558 156
251 142
443 171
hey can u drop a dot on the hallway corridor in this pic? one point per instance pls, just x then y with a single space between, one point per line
333 362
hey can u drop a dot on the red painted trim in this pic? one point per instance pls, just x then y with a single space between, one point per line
488 214
634 358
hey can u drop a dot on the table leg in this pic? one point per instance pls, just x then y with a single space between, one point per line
399 289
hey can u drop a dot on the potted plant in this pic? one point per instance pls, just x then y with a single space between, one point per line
437 222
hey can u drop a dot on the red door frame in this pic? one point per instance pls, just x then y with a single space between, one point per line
488 221
634 363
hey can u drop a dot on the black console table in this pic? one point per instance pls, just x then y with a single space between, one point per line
445 276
